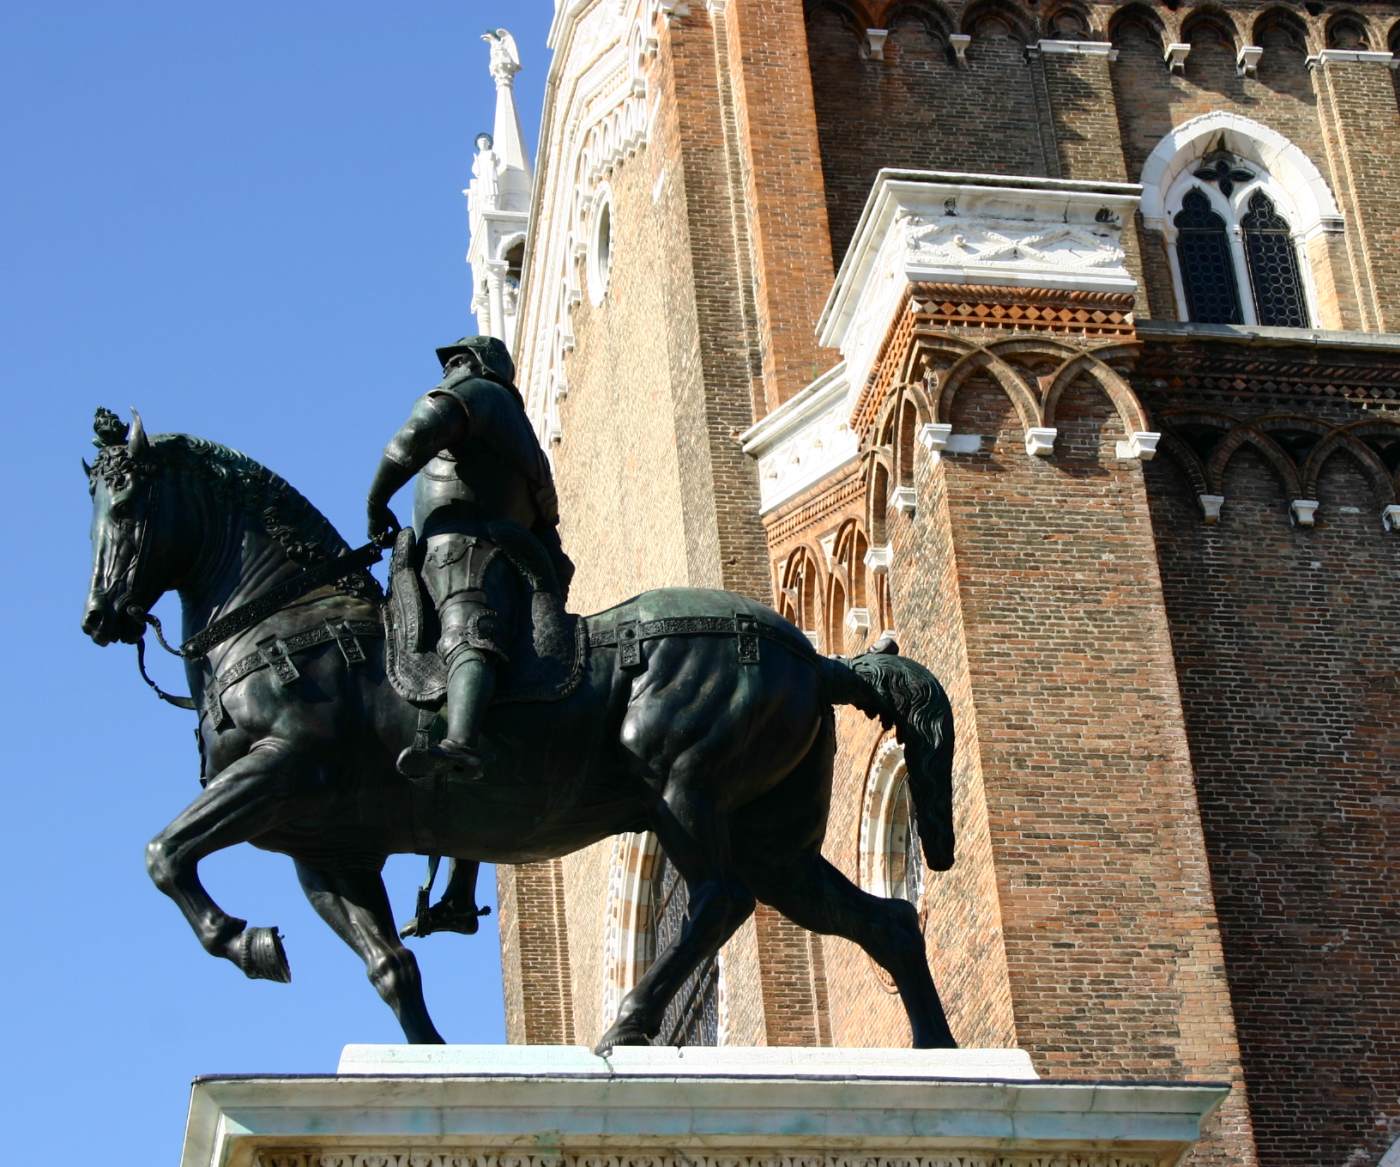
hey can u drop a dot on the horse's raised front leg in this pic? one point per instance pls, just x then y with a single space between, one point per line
248 797
355 905
695 837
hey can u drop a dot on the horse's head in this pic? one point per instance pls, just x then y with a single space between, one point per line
123 485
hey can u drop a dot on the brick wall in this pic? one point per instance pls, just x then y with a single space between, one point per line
1287 641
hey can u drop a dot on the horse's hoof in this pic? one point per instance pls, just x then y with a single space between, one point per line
262 957
620 1034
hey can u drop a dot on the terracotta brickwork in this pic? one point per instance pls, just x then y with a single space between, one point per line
1287 640
1177 743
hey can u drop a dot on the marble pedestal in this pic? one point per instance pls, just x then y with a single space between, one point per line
551 1106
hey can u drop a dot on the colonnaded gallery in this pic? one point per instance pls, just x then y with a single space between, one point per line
1062 341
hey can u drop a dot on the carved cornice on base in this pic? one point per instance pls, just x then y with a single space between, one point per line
803 441
930 227
1040 441
1302 511
1141 446
1210 507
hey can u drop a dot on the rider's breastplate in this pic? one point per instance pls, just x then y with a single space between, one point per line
470 482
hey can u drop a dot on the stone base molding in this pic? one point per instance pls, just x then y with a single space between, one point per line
560 1106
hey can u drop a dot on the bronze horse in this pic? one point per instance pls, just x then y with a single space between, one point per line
728 762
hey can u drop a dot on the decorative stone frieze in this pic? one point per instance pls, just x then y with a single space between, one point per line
951 229
807 438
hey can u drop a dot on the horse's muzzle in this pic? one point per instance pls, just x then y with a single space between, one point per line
104 625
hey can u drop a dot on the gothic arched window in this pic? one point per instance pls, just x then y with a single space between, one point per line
1207 269
1232 236
692 1017
1273 265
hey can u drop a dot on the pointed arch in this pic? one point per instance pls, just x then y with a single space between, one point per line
1315 208
1069 21
1025 402
935 18
802 590
1265 447
878 484
1185 457
1125 401
1340 441
853 13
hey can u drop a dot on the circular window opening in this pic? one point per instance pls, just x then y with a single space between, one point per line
600 249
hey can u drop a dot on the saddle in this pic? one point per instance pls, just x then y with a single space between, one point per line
548 646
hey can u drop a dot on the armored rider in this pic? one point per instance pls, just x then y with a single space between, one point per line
479 467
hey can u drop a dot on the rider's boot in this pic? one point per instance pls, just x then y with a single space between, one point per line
470 684
457 911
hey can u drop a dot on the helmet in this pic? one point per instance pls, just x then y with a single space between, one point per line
491 354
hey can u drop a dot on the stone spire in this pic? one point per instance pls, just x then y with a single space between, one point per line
498 200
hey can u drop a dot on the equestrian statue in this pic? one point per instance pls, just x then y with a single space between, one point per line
469 714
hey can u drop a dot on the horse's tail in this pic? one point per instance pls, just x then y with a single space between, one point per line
902 693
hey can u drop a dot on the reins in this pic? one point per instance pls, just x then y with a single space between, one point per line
246 616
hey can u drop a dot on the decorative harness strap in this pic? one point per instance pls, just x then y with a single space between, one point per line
627 635
254 612
276 653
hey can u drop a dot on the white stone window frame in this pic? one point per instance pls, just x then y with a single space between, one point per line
886 779
598 261
1232 209
1296 186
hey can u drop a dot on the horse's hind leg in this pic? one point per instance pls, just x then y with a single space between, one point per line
246 799
695 837
355 905
811 893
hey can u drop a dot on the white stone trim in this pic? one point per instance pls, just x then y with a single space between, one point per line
1040 441
804 440
598 263
1210 507
1247 60
1301 511
1351 57
944 227
904 499
1289 168
883 779
1392 1157
1390 520
878 557
1141 445
959 42
491 1106
1175 55
875 42
857 621
1050 48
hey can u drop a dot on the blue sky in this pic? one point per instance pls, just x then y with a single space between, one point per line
246 220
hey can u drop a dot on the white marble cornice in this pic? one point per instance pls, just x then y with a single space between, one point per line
804 440
952 228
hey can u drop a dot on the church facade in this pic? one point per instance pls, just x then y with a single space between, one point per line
1061 341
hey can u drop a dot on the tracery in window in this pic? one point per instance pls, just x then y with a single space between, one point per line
1272 259
1207 269
1232 236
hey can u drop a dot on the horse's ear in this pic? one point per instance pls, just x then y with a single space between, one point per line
137 445
87 470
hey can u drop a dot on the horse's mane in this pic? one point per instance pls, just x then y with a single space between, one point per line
303 531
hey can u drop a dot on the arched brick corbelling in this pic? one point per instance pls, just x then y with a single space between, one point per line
1120 393
1341 442
1025 402
1291 421
1054 12
1022 26
1359 431
878 473
934 17
906 439
1285 18
1392 38
1185 457
1209 16
1136 14
806 554
855 15
1225 421
849 551
1348 16
1266 447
